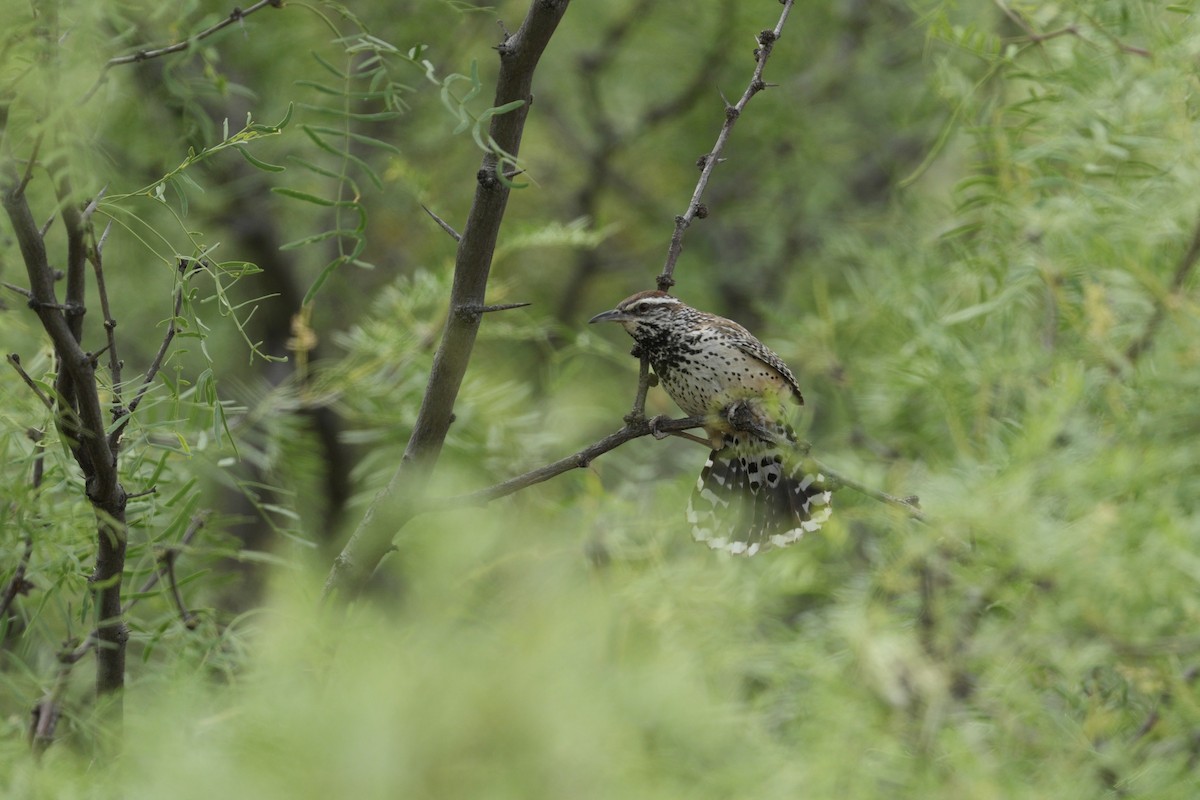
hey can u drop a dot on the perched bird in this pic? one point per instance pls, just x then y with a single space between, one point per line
753 492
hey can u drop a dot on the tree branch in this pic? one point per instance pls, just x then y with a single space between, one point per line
236 15
17 583
1182 270
15 361
125 414
695 209
519 56
89 444
110 324
658 428
632 430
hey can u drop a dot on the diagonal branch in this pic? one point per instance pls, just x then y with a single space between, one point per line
89 445
236 15
125 414
632 430
1183 269
695 209
519 56
658 427
96 256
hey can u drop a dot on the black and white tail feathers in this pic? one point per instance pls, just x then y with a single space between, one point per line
749 498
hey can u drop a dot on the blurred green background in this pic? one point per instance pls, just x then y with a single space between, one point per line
969 229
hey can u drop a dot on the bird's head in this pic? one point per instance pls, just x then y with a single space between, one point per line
644 314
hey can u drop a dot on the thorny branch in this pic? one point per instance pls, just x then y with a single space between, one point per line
695 209
236 15
519 54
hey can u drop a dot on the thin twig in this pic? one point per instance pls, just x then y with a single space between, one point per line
190 620
156 364
910 504
91 207
236 15
12 287
766 43
580 460
1070 29
110 324
195 525
47 711
1182 270
17 583
19 190
15 360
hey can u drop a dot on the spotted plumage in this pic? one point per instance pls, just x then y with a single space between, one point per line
753 493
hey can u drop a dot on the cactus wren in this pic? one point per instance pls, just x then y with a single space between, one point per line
753 492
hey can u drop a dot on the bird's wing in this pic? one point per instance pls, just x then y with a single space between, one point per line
756 349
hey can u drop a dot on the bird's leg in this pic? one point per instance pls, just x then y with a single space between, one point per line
659 434
654 429
742 416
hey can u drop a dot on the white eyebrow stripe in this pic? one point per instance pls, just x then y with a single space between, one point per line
655 301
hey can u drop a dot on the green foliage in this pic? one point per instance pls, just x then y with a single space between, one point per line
966 226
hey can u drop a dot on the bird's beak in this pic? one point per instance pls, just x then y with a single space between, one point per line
610 316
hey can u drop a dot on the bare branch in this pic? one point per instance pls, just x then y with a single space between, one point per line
195 525
658 428
167 562
82 421
580 460
12 287
236 15
910 504
1067 30
519 57
110 324
15 360
19 190
696 209
124 414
